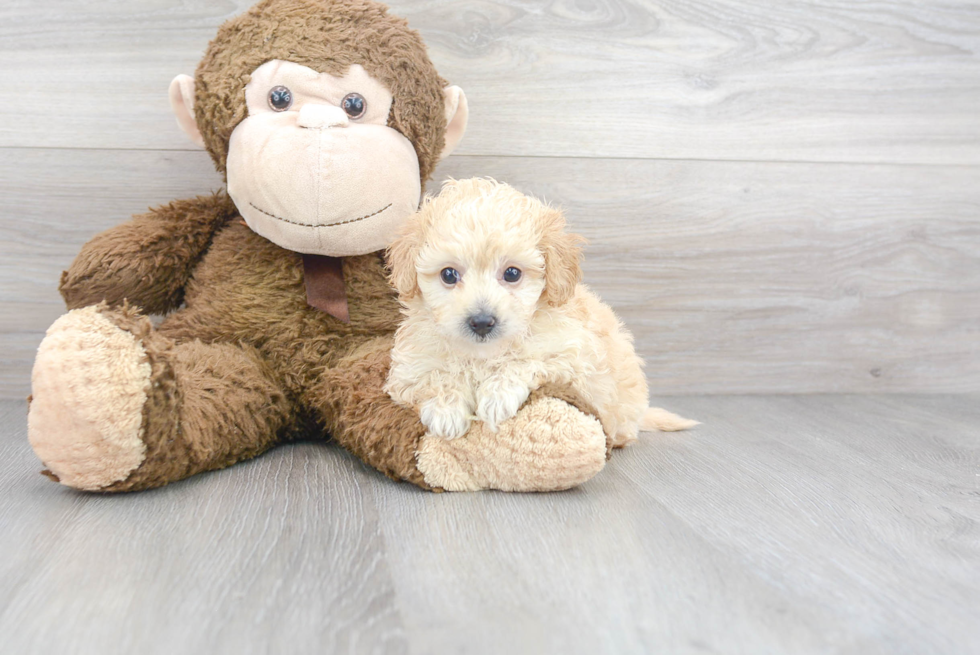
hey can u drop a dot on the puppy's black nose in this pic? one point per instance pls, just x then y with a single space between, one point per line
482 324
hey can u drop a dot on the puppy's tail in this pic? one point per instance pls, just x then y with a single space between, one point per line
657 418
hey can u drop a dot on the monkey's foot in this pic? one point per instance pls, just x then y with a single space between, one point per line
90 382
548 446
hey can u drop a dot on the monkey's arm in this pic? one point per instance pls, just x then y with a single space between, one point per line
149 259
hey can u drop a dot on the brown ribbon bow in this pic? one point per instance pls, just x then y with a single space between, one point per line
325 288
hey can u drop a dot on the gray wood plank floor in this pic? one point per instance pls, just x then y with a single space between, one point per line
798 524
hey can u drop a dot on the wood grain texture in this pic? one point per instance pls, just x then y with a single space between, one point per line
804 524
892 81
282 555
767 277
747 277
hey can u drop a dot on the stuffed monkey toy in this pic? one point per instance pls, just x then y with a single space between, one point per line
326 117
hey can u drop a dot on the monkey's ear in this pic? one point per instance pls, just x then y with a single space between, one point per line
182 104
457 113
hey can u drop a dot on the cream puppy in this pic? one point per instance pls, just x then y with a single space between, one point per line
489 282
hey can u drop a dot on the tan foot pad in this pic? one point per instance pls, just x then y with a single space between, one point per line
548 446
89 383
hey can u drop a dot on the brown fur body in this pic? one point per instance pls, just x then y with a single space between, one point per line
241 362
246 362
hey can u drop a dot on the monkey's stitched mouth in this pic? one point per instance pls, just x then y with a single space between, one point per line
350 220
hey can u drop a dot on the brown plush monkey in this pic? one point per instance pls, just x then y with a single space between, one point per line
326 117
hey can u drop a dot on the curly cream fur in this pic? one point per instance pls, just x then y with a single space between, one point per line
549 329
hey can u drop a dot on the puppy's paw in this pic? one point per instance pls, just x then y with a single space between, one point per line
499 400
448 421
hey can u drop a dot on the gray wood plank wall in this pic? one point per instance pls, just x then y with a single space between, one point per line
780 197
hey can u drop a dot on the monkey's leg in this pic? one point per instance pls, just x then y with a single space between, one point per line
549 445
118 406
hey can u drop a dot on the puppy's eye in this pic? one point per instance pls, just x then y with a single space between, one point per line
354 104
512 275
450 276
280 98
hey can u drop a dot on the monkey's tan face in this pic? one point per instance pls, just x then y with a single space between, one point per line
315 168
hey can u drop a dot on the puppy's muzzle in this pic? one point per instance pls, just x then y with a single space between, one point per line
481 324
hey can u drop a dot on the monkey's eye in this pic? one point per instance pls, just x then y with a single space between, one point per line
512 274
450 276
354 104
280 98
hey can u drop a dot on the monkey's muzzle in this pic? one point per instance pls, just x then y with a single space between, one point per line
329 189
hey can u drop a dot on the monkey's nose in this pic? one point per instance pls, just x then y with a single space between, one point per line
482 324
314 116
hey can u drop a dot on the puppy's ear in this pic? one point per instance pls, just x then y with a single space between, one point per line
401 257
562 259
